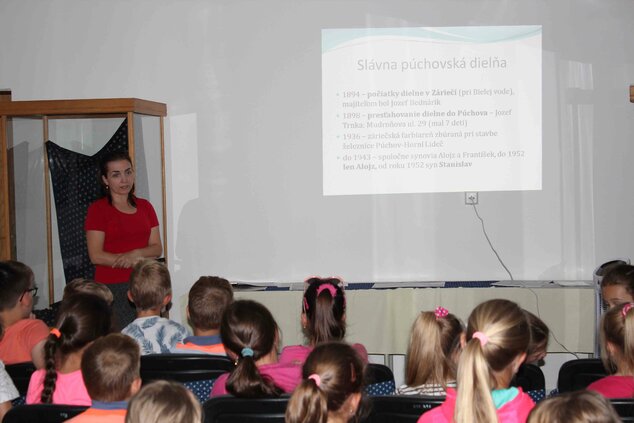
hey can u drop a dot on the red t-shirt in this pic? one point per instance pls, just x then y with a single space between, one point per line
123 232
20 338
614 386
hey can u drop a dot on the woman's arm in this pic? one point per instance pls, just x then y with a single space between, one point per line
94 241
153 250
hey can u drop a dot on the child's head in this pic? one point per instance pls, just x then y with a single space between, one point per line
617 286
249 333
87 286
434 348
82 319
208 299
16 282
164 401
538 346
497 341
150 285
110 368
324 310
617 339
574 407
331 387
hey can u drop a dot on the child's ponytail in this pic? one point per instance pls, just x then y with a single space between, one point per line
249 330
617 329
324 306
497 335
309 404
82 319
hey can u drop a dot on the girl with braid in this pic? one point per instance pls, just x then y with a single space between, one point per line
250 336
83 318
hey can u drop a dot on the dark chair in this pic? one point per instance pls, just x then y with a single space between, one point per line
401 408
196 371
379 380
229 409
21 375
42 413
578 374
624 407
531 379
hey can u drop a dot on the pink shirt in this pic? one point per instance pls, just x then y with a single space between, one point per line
20 338
514 411
69 389
614 386
285 376
297 354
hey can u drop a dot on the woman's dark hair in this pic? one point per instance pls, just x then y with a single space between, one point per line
324 305
82 319
248 329
332 372
114 156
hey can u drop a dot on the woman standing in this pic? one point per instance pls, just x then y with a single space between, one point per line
121 229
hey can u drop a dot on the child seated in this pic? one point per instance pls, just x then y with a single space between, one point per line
110 369
331 388
8 392
87 286
538 345
617 286
574 407
323 319
83 319
164 401
250 335
498 336
617 353
151 291
432 354
21 338
208 299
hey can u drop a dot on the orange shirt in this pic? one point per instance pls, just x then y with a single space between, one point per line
95 415
19 339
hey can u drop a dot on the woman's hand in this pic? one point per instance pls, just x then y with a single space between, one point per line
127 260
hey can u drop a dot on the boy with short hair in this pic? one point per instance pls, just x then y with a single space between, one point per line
151 291
110 368
21 338
208 299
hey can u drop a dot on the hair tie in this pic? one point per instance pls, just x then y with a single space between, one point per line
627 307
482 337
56 332
441 312
315 377
246 352
327 287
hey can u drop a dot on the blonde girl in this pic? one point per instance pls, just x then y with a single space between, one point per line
617 353
432 354
497 340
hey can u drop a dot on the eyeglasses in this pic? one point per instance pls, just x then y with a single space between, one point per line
33 292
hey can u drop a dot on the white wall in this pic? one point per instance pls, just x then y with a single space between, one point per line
242 81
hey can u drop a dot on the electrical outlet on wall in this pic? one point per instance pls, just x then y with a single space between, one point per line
470 198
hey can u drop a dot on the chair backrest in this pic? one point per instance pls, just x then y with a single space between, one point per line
21 375
229 409
183 367
42 413
401 408
530 377
624 407
578 374
379 380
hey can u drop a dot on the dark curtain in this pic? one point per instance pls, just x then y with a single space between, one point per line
75 179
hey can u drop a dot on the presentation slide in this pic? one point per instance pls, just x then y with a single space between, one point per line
413 110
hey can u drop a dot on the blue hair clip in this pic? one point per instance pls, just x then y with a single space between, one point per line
246 352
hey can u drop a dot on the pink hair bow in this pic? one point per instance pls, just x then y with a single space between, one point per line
626 308
329 287
481 337
441 312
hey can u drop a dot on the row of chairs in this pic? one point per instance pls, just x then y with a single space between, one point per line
188 369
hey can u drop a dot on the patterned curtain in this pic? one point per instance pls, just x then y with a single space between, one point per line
75 179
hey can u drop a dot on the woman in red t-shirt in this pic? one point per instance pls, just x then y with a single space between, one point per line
121 229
